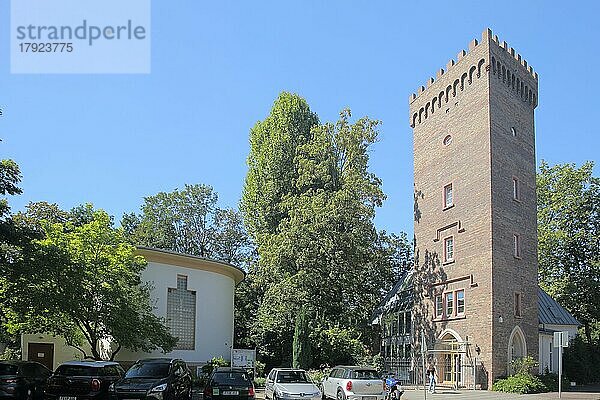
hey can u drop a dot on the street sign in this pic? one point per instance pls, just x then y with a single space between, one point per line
560 340
243 358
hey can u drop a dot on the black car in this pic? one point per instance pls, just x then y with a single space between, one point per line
81 380
22 379
155 378
229 384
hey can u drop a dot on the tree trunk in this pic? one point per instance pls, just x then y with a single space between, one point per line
114 353
588 332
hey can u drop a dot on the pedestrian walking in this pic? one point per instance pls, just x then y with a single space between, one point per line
432 378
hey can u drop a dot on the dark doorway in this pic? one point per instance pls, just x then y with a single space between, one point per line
42 353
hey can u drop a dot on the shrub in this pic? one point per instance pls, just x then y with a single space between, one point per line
581 361
214 362
522 383
551 382
260 382
317 375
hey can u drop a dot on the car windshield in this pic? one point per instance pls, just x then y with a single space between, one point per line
148 370
76 370
292 377
230 378
364 374
7 369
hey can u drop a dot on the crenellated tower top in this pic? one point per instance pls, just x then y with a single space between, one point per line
489 56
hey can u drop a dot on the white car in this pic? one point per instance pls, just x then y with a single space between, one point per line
290 384
353 383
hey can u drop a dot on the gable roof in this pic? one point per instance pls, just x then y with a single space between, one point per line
552 313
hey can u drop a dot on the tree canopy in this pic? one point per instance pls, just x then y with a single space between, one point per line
569 239
82 281
189 221
309 201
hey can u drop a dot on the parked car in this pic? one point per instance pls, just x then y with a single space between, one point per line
155 378
22 379
229 384
288 383
353 383
81 380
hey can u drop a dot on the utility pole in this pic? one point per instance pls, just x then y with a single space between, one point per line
423 356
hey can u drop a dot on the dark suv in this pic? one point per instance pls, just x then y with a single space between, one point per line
80 380
230 384
155 378
22 379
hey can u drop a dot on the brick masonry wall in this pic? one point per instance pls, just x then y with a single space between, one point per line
480 163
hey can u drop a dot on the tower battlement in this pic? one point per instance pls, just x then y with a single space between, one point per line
492 56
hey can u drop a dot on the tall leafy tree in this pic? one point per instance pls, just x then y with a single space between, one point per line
309 201
83 281
569 239
189 221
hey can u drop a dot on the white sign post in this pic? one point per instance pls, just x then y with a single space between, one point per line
560 341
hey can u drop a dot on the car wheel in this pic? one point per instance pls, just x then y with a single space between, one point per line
341 395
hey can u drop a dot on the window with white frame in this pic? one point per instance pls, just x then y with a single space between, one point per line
439 306
448 197
460 302
449 249
449 311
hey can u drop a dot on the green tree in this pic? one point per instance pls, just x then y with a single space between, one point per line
309 201
189 221
83 282
569 239
302 355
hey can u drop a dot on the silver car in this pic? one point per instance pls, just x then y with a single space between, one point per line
353 383
290 384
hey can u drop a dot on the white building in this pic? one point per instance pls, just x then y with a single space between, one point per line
552 318
195 294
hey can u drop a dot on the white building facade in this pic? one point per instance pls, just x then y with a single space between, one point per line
194 294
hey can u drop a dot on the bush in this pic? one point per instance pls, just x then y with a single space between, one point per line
522 383
551 382
581 362
214 362
317 375
10 354
259 382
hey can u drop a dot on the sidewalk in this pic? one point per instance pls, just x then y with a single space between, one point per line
413 394
487 395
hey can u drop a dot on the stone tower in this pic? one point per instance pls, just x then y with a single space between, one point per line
475 211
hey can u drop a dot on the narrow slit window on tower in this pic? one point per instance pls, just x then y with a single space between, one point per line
518 306
449 249
517 245
516 189
448 196
513 131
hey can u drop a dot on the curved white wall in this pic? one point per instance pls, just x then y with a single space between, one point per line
214 311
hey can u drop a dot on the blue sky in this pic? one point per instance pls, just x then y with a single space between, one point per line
218 66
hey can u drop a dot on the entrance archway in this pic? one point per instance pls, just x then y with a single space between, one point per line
449 349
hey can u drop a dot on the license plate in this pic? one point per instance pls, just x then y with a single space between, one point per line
230 392
67 398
